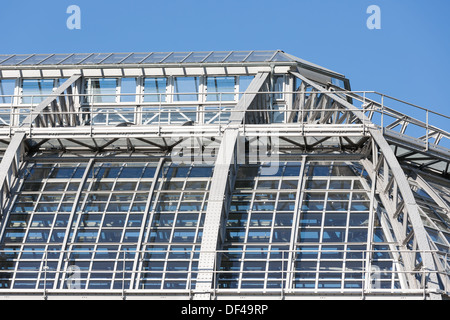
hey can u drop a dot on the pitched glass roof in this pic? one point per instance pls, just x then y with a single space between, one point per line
146 58
55 59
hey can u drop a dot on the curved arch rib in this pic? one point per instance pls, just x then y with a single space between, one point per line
410 206
10 162
220 185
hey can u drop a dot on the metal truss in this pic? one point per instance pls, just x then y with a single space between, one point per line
58 110
395 119
9 168
388 180
224 173
391 182
322 123
61 107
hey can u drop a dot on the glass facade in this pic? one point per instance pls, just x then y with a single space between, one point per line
172 244
135 100
35 91
305 231
71 217
316 238
118 186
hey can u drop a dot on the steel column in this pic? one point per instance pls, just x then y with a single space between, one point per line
9 167
36 114
217 200
420 234
71 221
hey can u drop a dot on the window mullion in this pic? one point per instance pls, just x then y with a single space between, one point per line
135 277
73 212
295 226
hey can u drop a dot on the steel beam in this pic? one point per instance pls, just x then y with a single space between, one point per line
215 215
420 234
248 98
143 132
220 190
9 167
295 227
36 114
71 221
135 276
431 191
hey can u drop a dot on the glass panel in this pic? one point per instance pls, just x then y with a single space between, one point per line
268 184
128 88
338 82
281 235
38 235
15 60
278 116
55 59
217 56
135 58
203 172
95 58
6 89
278 87
237 220
258 56
63 172
99 88
75 59
280 56
309 235
115 58
237 56
184 87
340 184
176 57
196 57
155 89
220 86
36 59
86 236
110 235
244 82
3 57
36 90
335 219
156 57
357 235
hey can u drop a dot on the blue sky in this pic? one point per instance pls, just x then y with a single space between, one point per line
408 58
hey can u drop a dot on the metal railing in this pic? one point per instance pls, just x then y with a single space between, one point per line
164 109
282 271
407 115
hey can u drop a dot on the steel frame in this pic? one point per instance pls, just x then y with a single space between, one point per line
317 110
219 193
395 185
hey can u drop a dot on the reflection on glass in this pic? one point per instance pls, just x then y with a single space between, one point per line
155 89
35 91
219 87
128 89
186 88
278 87
6 89
103 90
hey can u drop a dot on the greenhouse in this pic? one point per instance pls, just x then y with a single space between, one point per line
216 175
